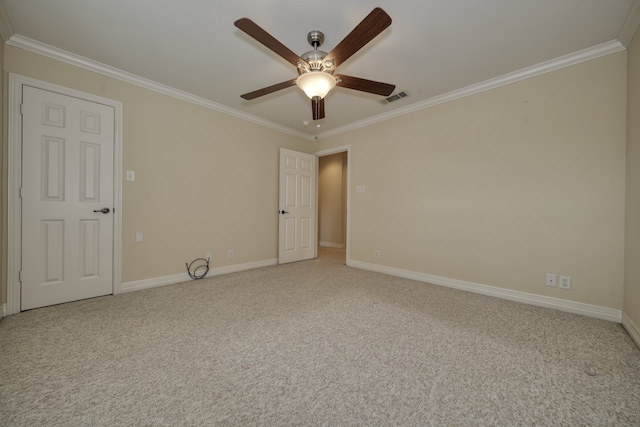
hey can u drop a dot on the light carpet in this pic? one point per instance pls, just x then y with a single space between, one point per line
314 343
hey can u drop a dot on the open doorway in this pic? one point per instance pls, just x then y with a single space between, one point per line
333 174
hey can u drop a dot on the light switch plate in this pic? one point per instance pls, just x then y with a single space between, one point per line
131 175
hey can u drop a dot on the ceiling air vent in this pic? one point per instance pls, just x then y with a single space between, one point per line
395 97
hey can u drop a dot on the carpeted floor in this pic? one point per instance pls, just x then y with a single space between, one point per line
314 343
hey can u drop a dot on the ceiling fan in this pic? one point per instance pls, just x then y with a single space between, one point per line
316 68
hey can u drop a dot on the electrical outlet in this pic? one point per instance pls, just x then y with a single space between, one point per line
139 237
209 256
230 254
551 280
376 254
565 282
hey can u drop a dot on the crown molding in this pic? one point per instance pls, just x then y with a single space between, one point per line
631 24
6 28
544 67
536 70
106 70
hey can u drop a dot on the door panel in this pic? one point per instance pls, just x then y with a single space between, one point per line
67 175
89 248
53 251
297 225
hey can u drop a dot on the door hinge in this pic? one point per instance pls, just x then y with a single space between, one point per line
20 276
20 192
22 109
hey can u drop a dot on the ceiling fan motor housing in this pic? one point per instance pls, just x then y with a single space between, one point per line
314 58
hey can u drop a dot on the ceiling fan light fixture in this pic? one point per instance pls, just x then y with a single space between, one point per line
316 68
316 83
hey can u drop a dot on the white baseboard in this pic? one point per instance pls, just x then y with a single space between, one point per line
331 245
590 310
632 328
139 285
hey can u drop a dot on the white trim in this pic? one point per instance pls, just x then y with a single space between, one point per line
139 285
106 70
341 149
15 180
317 215
523 297
536 70
14 215
331 245
631 24
632 329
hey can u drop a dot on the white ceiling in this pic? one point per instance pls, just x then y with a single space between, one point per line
432 48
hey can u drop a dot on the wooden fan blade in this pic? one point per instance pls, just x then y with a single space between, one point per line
364 85
268 90
317 108
367 30
252 29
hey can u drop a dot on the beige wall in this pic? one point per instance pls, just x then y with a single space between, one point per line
331 208
632 249
502 187
498 188
205 181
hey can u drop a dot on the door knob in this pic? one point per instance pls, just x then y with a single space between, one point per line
103 210
283 212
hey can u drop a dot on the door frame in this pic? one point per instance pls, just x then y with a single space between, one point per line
14 244
327 152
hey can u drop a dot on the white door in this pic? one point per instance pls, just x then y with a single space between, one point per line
297 225
67 198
